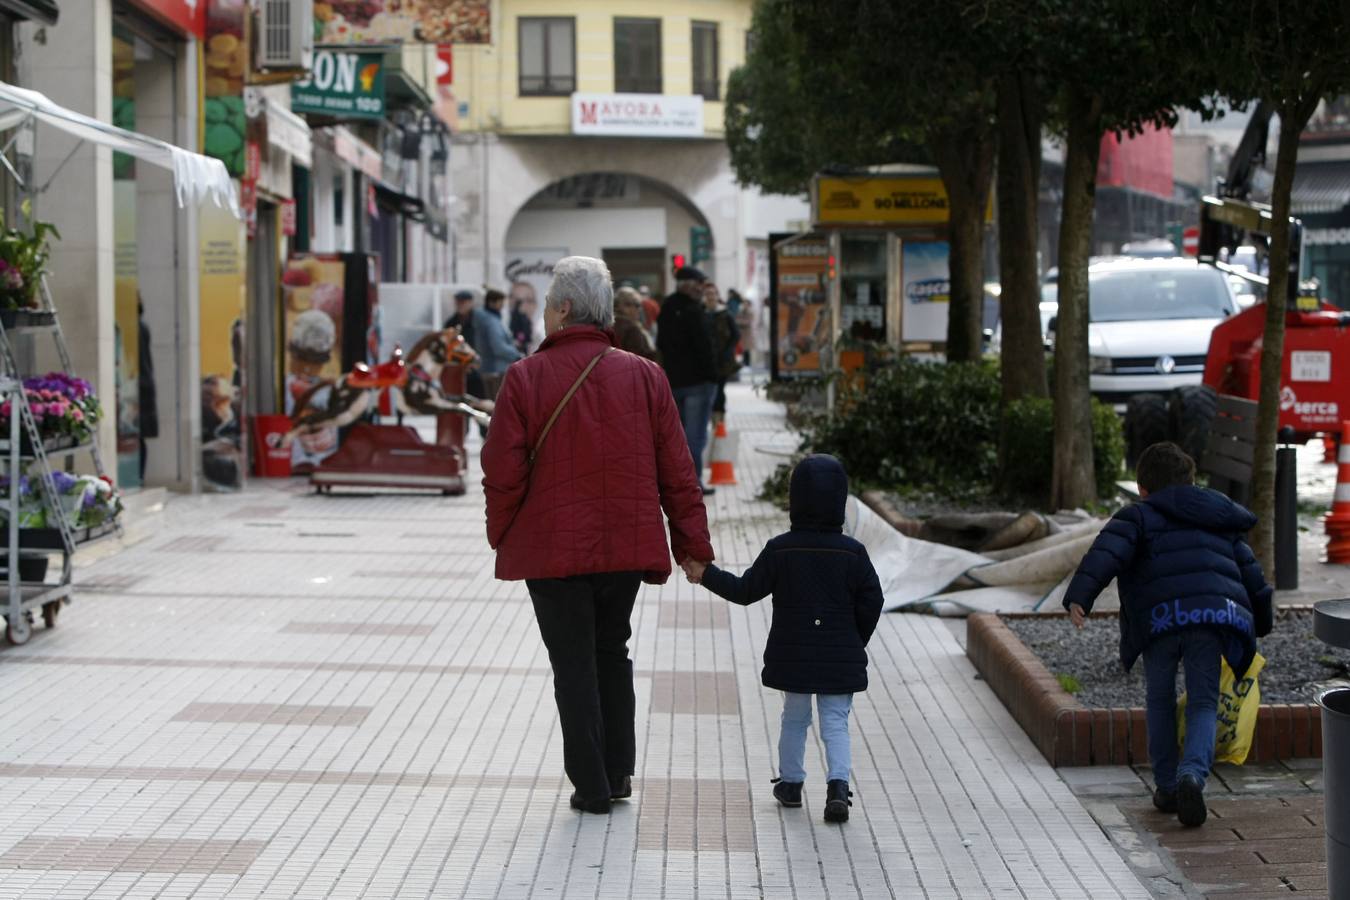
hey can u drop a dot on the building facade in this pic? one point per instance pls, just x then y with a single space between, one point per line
597 128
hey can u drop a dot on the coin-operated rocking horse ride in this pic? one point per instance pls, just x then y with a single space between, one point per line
429 380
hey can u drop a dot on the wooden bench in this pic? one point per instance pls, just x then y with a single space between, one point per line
1231 448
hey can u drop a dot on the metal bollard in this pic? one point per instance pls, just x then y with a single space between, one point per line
1286 518
1331 623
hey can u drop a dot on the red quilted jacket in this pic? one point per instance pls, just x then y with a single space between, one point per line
615 458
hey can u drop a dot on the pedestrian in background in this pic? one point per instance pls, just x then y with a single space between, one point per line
575 510
826 604
524 316
145 385
462 318
742 311
725 336
651 311
495 348
1191 592
686 353
628 331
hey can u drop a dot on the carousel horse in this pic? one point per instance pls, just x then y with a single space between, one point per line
416 376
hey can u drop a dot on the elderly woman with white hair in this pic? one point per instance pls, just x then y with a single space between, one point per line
584 453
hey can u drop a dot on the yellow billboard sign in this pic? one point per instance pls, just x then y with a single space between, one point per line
881 200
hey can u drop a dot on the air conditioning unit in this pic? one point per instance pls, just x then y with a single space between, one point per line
285 34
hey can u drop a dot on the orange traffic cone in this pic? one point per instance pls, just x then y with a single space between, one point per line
723 456
1337 522
721 430
1328 447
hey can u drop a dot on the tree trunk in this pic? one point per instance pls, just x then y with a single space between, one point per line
1073 484
965 159
1022 357
1292 120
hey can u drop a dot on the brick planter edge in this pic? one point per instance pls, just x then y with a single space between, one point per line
1070 734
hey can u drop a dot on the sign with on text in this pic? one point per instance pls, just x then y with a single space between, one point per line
343 85
637 115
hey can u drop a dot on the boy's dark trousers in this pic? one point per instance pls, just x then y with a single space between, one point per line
584 621
1200 649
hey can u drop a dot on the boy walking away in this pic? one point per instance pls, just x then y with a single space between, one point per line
1190 592
826 603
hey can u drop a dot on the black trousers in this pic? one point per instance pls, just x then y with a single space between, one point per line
584 621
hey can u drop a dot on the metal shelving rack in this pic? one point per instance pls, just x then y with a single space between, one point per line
24 452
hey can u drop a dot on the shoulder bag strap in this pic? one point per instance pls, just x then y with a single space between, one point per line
557 410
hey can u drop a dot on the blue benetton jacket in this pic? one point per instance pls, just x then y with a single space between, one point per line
1180 560
826 596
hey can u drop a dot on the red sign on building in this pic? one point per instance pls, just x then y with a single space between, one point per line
187 17
445 64
288 226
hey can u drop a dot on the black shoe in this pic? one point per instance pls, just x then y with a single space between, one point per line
707 491
788 793
1165 800
621 788
599 807
1191 809
836 801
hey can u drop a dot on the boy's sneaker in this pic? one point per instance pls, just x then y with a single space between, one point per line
1165 800
788 793
1191 809
836 801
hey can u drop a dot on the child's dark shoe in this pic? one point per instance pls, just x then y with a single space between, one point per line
788 793
1191 809
1165 800
836 801
621 788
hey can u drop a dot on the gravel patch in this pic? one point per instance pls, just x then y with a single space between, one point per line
1297 663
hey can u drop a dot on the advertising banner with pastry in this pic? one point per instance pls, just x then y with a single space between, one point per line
398 21
312 288
222 239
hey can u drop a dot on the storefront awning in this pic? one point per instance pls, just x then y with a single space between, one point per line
404 204
1320 189
288 132
197 178
44 12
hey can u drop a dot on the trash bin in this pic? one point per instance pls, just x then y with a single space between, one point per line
270 461
1331 623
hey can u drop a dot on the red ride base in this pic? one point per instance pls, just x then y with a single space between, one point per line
391 456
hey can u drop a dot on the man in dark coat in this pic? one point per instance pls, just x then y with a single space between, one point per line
145 384
826 604
687 356
1190 591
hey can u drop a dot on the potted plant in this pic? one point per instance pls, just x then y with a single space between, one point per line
23 262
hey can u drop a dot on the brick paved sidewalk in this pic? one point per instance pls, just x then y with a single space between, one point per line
285 695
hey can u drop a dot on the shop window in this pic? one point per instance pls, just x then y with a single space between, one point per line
548 61
704 39
637 56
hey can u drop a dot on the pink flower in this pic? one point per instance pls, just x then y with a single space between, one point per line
39 409
77 415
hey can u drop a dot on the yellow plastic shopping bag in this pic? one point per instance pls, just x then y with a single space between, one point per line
1238 703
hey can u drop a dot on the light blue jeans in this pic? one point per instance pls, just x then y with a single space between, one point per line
834 710
694 404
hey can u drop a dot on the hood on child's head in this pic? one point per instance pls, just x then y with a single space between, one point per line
1201 507
818 494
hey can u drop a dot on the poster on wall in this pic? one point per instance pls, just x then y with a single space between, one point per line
222 347
312 293
398 21
800 315
225 64
528 272
927 284
126 333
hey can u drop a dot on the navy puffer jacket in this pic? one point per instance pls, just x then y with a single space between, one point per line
1181 561
826 596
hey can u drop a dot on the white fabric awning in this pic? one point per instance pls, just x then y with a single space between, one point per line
197 179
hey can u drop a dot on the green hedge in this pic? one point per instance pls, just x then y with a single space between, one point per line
935 427
1029 441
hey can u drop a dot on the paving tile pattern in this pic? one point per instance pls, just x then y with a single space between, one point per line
286 695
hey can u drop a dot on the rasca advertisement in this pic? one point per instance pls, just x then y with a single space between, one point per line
927 285
800 314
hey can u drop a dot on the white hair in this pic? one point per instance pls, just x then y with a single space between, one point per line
586 282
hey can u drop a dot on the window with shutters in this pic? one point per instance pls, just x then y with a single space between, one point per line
637 56
548 59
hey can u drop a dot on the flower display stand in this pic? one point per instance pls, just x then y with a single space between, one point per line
29 456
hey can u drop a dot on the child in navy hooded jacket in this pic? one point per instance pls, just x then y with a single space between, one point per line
826 603
1190 591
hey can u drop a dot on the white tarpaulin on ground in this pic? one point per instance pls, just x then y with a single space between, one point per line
923 575
197 178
